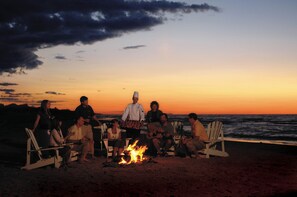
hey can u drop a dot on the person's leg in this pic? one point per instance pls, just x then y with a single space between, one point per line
168 144
114 152
199 144
85 149
121 150
120 146
191 148
88 132
156 143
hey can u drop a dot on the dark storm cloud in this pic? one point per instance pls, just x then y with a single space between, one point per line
60 57
134 47
26 26
54 93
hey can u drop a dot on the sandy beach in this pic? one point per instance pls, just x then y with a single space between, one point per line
251 170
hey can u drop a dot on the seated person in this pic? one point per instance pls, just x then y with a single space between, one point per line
115 139
57 139
163 136
195 142
80 142
153 116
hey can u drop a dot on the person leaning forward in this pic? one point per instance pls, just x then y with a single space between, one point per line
199 136
86 111
80 142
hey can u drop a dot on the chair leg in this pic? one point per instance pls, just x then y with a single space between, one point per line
207 151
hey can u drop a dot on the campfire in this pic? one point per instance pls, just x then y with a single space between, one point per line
133 154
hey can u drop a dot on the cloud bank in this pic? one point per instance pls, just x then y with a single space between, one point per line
26 26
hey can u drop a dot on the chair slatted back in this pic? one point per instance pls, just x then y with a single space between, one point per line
214 130
34 142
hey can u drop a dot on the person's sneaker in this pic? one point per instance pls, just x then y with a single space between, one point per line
194 156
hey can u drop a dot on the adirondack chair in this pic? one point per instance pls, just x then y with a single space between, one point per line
216 135
176 137
109 149
33 147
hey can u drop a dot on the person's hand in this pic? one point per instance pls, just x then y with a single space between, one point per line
87 120
84 139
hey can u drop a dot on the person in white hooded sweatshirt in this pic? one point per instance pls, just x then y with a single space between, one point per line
133 117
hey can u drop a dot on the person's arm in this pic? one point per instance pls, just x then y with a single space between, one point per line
120 134
126 113
142 114
196 133
108 134
68 136
96 119
57 137
70 133
148 116
36 122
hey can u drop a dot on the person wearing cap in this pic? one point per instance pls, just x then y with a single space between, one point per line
133 117
86 111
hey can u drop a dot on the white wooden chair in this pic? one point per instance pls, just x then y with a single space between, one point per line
109 149
215 135
102 128
33 147
176 137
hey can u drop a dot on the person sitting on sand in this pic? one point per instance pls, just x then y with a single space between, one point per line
57 139
199 136
85 110
163 137
115 139
80 142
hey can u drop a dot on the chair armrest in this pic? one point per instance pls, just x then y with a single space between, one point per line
44 149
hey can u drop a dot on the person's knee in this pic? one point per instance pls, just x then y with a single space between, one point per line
156 141
190 146
169 142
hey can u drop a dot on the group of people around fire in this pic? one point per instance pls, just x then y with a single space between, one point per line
159 137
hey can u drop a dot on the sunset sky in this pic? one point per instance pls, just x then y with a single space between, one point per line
241 59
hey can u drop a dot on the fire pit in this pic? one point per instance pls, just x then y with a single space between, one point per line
133 154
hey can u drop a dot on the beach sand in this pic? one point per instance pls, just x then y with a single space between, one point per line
251 170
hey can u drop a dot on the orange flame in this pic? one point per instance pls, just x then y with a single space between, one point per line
135 153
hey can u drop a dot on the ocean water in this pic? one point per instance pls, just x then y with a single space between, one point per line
276 129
